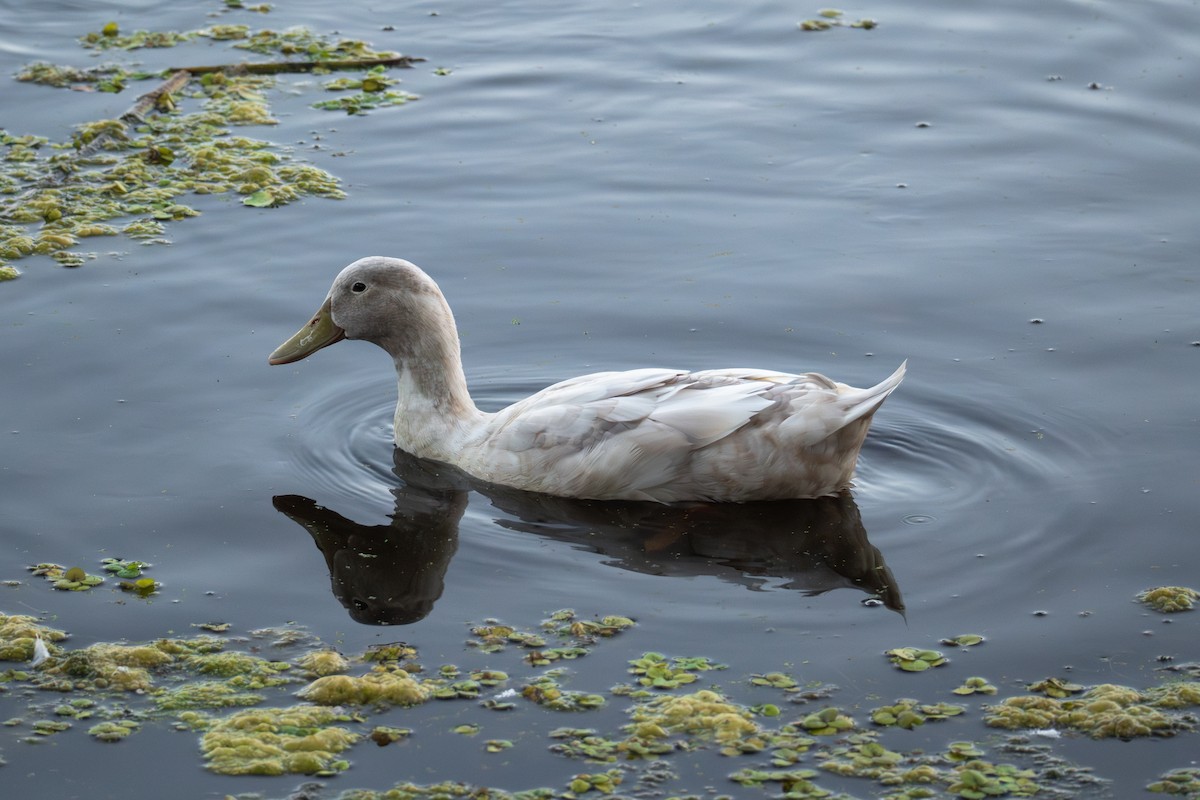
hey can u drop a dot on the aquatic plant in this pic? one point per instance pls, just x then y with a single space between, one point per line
177 140
1103 711
1169 599
380 686
302 739
915 659
909 714
20 634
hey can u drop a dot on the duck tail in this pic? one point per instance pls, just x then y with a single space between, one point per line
859 403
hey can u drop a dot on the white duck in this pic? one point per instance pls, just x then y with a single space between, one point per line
665 435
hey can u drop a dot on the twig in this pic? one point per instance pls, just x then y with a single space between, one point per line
137 112
273 67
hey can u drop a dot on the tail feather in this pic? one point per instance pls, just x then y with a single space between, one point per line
859 403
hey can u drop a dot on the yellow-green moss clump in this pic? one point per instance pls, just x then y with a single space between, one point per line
19 634
1169 599
381 686
114 667
1103 711
205 694
323 662
704 714
302 740
139 170
242 670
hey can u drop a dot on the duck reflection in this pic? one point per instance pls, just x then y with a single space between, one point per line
393 574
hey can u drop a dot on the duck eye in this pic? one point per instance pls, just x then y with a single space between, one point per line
359 287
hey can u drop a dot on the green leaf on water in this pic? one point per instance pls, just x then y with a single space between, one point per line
260 199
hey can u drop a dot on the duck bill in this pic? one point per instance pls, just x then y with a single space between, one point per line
319 332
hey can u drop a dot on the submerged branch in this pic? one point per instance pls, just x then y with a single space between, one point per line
275 67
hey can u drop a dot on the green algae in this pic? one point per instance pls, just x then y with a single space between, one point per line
320 663
19 635
908 714
915 659
380 687
545 691
70 579
832 18
205 694
303 739
121 568
655 671
776 680
113 730
788 757
1055 687
1178 782
117 177
241 670
705 714
1103 711
1169 599
975 685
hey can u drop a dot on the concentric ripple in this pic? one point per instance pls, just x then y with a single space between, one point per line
344 441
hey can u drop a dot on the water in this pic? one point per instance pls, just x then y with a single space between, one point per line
685 185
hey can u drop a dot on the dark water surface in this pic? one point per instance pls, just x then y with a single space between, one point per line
657 184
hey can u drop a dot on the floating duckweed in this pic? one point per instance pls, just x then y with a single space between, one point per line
705 714
1180 694
19 635
205 694
1103 711
143 229
113 731
777 680
323 662
603 782
142 587
49 727
109 38
656 672
1169 599
914 659
965 640
373 80
241 670
863 756
1055 687
829 18
111 666
826 722
378 687
975 685
548 655
384 735
386 653
277 741
1178 781
908 714
113 168
546 692
796 783
362 102
976 780
73 579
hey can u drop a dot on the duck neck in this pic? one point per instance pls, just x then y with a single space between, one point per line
434 408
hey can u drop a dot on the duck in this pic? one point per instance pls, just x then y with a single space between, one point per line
661 435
